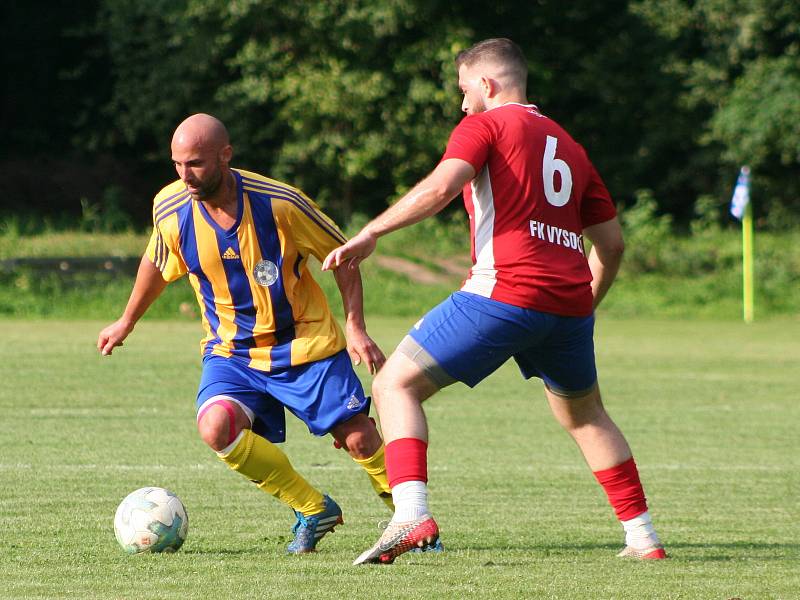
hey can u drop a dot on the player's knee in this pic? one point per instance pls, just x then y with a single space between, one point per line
581 414
384 383
217 426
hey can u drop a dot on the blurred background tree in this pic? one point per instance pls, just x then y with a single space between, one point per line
352 100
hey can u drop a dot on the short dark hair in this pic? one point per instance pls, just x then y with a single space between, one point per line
500 50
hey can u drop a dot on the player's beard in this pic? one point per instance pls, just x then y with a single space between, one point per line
478 106
207 189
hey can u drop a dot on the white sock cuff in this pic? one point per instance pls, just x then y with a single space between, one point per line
229 448
642 519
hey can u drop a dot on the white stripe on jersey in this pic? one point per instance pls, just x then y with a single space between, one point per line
483 275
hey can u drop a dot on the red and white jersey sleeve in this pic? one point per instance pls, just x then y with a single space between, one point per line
534 193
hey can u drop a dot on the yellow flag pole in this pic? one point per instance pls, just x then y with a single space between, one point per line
747 263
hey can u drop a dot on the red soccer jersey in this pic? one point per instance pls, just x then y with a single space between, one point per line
534 193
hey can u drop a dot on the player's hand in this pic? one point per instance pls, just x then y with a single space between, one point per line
353 252
362 348
113 336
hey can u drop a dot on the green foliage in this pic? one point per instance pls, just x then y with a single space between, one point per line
343 99
710 410
740 64
352 100
106 216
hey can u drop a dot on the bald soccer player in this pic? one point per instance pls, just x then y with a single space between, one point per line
271 343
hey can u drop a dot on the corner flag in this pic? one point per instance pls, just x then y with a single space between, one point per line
741 193
743 210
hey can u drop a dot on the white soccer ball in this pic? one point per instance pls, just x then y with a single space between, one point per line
151 519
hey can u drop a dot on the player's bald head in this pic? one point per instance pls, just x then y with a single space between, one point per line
500 58
201 131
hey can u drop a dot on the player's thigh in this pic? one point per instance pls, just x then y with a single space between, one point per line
565 359
230 380
468 337
410 370
322 393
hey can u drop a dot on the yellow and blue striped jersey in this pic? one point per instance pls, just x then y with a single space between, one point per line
257 298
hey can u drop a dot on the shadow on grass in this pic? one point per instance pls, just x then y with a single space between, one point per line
686 552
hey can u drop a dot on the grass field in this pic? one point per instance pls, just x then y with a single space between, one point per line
710 408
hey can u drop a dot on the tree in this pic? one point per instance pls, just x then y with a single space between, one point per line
353 99
739 61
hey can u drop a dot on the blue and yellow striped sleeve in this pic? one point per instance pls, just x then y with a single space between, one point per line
163 248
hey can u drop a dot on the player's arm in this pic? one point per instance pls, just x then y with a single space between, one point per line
359 345
605 256
426 198
148 286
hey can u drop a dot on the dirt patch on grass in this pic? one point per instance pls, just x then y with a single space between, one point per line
453 270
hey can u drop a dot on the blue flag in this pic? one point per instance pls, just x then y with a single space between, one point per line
741 193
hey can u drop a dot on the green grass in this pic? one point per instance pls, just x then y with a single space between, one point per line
709 407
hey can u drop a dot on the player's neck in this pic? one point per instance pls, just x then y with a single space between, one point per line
223 206
225 197
509 98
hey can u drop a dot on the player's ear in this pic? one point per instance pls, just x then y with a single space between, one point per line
488 86
226 153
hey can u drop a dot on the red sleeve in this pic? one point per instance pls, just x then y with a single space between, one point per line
596 206
470 141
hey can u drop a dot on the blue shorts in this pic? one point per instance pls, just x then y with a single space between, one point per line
469 337
322 393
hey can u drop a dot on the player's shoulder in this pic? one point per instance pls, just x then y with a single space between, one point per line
282 196
258 183
172 190
171 198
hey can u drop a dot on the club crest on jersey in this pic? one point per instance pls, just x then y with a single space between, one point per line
266 273
354 403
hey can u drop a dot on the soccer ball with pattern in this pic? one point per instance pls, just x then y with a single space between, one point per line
151 519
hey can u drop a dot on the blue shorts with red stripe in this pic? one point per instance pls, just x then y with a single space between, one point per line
322 393
469 337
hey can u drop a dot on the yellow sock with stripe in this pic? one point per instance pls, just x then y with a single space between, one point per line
375 466
263 463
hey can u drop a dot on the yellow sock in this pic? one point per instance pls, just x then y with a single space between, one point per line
375 466
263 463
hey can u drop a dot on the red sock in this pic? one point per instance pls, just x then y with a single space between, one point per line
406 460
624 490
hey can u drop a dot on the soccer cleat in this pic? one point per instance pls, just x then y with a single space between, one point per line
655 552
308 530
437 546
398 538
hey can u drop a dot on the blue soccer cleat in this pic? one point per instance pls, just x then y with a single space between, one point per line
308 530
437 546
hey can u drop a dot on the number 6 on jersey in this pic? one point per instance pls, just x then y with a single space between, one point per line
551 165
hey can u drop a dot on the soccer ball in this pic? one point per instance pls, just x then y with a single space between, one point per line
151 519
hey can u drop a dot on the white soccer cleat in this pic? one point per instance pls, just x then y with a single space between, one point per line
655 552
398 538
